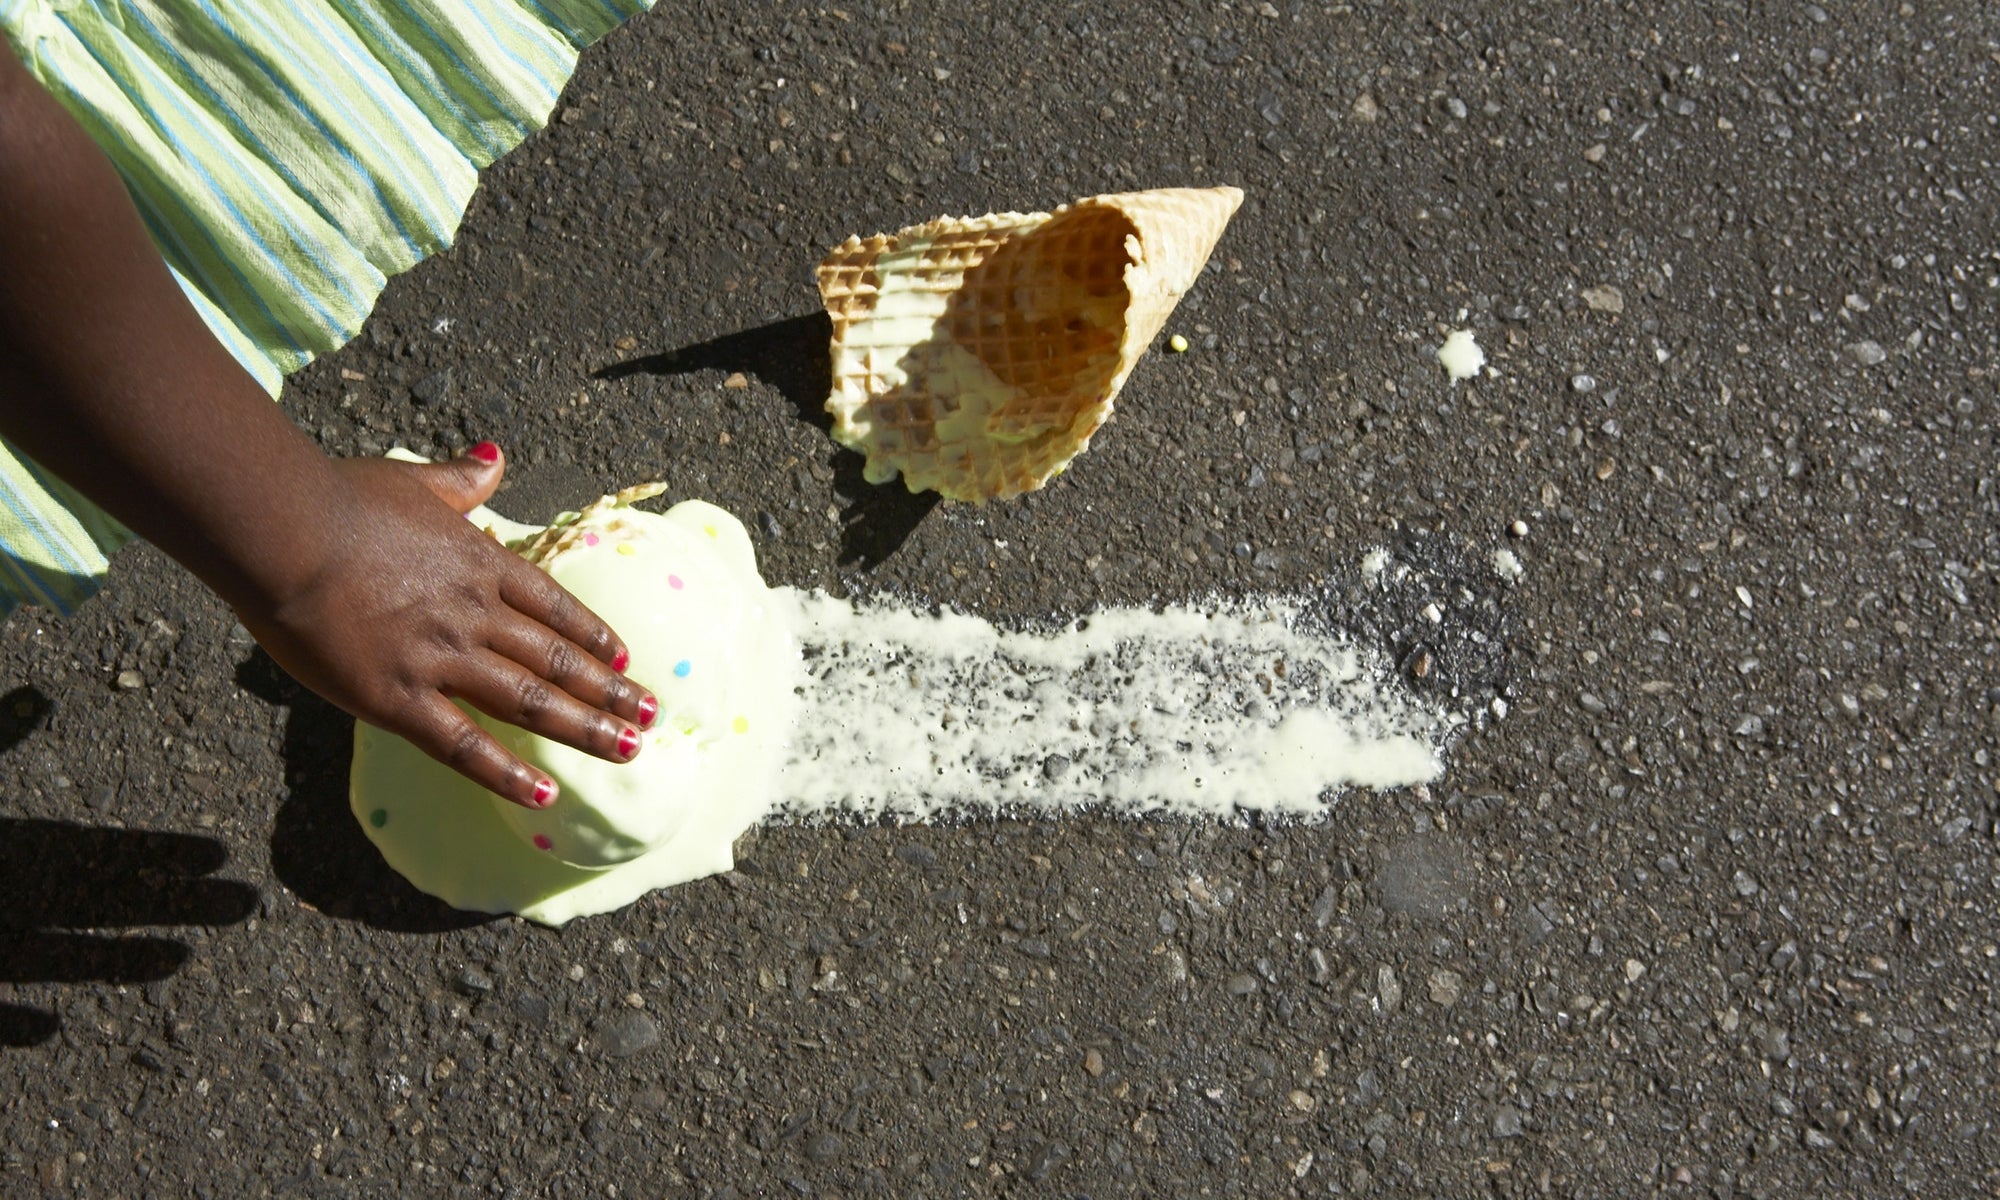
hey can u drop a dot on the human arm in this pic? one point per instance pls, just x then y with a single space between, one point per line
358 576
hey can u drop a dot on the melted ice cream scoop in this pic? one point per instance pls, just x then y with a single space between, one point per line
706 638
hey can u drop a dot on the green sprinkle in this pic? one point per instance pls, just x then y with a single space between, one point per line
379 818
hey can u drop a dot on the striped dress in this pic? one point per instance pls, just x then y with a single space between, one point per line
287 157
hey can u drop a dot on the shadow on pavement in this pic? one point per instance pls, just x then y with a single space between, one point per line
317 847
793 356
58 878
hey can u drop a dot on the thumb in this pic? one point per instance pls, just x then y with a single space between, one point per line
468 481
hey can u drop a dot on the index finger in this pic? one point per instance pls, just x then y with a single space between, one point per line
530 592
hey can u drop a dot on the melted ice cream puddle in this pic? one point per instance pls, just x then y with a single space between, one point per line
1198 712
880 709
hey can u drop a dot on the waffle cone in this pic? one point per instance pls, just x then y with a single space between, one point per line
976 356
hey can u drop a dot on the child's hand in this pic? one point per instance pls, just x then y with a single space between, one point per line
359 577
396 605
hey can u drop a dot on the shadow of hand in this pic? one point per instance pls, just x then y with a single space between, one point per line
57 878
317 847
795 357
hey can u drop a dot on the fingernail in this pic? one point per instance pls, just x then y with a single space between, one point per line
545 792
628 742
621 660
649 711
485 452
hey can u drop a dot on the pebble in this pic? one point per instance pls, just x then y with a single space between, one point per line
1506 1121
1242 984
1583 383
1446 987
531 1008
824 1146
1867 353
1388 989
1745 886
917 855
1605 298
131 681
432 389
1595 154
627 1034
472 983
1093 1062
1325 907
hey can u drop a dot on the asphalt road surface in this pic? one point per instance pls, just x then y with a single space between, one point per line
1709 912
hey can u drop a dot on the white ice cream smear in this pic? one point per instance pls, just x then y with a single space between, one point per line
1460 356
1195 711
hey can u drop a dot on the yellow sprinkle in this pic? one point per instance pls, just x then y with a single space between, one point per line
1177 344
742 725
626 548
709 530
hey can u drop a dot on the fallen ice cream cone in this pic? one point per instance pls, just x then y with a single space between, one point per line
977 356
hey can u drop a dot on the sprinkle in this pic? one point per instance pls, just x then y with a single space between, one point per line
1177 344
590 539
741 725
682 668
674 582
626 549
709 530
379 818
542 842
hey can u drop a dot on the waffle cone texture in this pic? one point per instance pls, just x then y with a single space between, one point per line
977 356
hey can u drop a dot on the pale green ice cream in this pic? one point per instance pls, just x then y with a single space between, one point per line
707 638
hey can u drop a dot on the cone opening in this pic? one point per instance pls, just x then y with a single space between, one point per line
1045 313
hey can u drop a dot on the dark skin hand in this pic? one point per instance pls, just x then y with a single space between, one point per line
358 576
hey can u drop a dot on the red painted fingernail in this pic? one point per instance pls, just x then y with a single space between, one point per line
545 793
485 452
621 660
649 711
628 743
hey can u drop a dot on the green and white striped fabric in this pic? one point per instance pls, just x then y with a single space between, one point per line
288 158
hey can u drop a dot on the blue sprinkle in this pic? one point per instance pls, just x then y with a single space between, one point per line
682 668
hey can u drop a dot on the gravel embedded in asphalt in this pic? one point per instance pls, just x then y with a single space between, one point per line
1781 807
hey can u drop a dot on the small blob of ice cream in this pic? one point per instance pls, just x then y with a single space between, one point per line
1460 356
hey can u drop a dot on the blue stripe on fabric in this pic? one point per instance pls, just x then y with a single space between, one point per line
231 115
26 586
73 560
440 224
423 76
535 34
227 203
313 251
357 57
464 72
29 520
553 21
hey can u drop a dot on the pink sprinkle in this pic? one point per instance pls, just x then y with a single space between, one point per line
674 582
590 539
542 842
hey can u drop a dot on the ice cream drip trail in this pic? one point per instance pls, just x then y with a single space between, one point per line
1196 711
